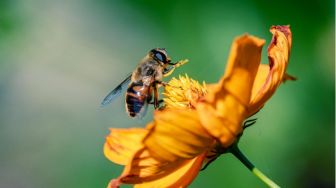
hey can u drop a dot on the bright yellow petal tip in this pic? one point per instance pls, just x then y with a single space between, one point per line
183 92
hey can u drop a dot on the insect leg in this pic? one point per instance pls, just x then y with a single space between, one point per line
164 84
156 97
179 63
168 71
159 101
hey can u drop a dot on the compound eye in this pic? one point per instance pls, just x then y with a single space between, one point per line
159 57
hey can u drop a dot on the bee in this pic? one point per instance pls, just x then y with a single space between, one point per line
143 82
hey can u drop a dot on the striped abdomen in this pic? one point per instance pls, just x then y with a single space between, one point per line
137 97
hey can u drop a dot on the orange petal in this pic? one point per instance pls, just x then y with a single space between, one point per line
225 128
242 67
177 134
121 144
181 177
269 77
146 171
225 106
115 183
240 73
144 168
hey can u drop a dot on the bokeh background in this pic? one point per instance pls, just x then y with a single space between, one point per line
58 59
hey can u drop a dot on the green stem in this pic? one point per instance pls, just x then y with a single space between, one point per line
237 153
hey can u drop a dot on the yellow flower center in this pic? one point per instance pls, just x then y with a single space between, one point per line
183 92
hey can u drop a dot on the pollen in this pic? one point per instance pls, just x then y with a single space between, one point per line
183 92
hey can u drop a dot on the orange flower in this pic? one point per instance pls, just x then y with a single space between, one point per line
200 122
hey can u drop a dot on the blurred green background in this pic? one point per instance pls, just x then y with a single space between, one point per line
58 59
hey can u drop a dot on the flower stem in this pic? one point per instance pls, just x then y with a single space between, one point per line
238 154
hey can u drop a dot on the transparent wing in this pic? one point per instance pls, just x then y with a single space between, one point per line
117 91
143 111
147 101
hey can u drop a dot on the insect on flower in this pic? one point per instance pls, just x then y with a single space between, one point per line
144 81
199 123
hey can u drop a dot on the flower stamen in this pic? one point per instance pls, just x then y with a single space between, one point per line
183 92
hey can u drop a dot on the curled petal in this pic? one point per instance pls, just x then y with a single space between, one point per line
122 144
177 134
115 183
240 73
243 62
269 77
225 105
